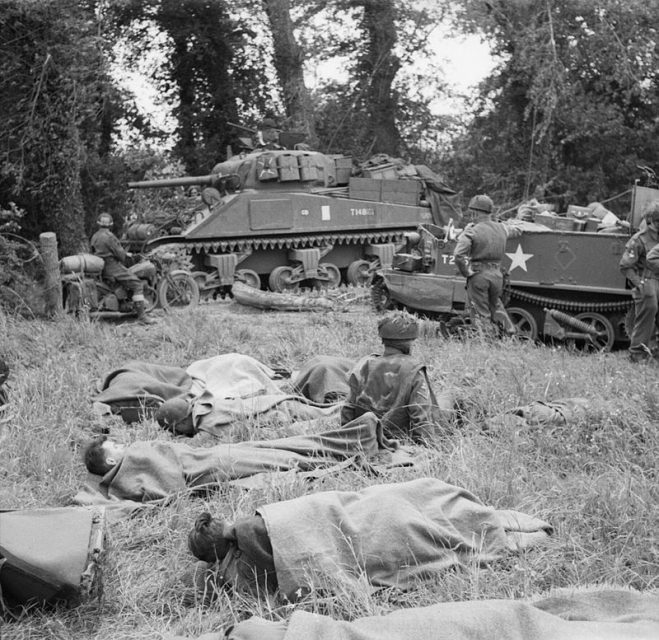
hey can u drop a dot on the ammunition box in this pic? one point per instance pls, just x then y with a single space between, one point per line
559 223
401 191
343 169
383 172
308 169
287 167
391 191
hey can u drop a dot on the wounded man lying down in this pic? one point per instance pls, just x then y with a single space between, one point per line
145 471
393 535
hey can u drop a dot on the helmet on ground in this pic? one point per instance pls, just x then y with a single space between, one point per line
268 123
104 220
173 411
481 203
651 212
398 325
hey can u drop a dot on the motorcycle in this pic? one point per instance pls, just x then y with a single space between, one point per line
85 290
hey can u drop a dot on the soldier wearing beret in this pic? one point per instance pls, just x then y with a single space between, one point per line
478 254
394 385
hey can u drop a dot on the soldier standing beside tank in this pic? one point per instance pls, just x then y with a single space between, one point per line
478 254
645 282
105 245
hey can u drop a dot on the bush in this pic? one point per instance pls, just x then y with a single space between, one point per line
20 267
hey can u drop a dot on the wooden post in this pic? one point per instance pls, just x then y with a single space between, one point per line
48 243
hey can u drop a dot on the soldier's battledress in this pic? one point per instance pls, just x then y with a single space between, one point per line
394 386
645 292
105 245
478 254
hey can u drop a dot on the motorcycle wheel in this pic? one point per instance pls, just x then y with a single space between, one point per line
178 290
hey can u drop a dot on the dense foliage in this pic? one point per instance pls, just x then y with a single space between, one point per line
571 108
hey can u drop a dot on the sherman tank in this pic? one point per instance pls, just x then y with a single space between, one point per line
283 218
563 277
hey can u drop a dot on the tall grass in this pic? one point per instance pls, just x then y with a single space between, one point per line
595 481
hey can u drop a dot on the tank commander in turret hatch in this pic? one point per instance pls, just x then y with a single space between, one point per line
105 245
395 386
478 254
267 135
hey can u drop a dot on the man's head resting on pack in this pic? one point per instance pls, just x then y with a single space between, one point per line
101 455
398 330
175 415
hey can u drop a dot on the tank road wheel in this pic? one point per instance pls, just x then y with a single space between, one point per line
380 296
249 277
606 333
525 324
359 273
333 276
280 279
178 290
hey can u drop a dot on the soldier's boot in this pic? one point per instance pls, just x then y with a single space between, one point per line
142 317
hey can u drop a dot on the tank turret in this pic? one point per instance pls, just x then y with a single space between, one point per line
281 218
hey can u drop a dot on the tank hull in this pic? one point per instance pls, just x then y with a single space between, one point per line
574 273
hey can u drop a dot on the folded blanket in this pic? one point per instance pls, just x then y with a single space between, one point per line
597 615
391 534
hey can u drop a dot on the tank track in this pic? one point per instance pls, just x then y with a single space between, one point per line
287 242
571 305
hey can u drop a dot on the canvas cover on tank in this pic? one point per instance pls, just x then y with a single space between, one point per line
49 556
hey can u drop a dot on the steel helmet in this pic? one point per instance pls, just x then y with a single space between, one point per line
481 203
104 220
651 212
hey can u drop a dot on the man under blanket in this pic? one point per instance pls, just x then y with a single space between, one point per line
145 471
207 396
394 535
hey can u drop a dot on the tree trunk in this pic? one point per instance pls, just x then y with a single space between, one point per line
379 67
288 61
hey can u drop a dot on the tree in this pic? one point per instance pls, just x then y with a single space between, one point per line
55 97
288 61
572 107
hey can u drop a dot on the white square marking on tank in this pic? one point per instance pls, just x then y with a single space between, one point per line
325 212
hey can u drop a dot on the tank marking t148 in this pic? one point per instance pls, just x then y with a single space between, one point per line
365 211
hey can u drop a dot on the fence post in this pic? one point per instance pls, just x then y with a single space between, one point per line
48 243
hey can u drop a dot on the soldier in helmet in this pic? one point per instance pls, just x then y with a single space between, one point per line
478 254
645 284
105 245
395 386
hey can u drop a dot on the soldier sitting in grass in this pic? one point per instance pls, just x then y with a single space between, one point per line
395 386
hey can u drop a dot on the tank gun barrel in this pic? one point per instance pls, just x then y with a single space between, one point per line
208 180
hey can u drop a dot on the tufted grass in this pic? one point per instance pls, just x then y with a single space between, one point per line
596 482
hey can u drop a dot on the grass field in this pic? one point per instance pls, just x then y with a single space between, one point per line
596 482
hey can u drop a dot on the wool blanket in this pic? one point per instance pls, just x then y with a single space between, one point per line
393 535
324 378
223 389
580 615
156 470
